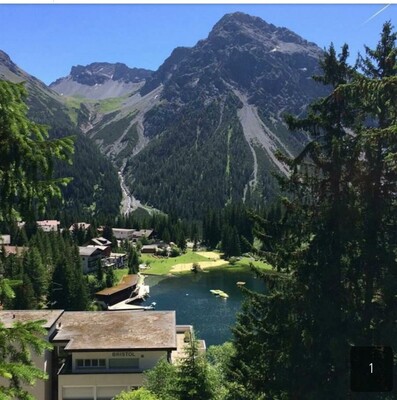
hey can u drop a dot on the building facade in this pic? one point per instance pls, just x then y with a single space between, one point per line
98 354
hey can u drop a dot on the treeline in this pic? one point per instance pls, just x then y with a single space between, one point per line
229 229
47 273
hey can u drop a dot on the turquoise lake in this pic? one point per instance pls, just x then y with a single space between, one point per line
189 295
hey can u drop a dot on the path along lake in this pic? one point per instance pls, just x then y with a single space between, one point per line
189 295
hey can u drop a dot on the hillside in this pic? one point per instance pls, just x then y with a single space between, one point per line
214 134
95 189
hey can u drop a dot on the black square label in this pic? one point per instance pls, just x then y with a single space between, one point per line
371 369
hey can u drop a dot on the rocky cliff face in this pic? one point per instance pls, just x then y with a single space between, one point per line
273 66
101 80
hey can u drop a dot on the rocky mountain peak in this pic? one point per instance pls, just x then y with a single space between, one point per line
99 72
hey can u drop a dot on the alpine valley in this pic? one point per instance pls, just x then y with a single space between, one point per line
201 131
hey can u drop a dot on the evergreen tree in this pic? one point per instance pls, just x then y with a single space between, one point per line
108 232
37 273
26 157
133 261
110 277
25 298
99 276
16 366
193 376
336 244
162 379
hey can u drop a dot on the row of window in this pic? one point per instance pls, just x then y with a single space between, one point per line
91 363
114 363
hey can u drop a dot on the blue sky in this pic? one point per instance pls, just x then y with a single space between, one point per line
46 40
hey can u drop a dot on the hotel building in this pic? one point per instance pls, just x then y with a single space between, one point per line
100 353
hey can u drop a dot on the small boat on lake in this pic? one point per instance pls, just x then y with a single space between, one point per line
219 293
240 283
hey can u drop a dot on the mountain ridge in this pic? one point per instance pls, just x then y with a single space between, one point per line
100 80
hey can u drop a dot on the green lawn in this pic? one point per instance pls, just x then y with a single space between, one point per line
162 266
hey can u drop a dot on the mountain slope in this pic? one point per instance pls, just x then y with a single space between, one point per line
214 135
94 189
203 130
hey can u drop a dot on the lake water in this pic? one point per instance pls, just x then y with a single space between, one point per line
189 295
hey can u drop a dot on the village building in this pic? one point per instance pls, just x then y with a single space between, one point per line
5 239
123 234
122 291
116 260
105 250
98 354
142 233
101 241
149 249
90 258
79 225
13 250
51 225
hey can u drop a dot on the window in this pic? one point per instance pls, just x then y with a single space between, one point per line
124 363
91 363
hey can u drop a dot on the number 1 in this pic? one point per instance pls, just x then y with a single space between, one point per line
371 367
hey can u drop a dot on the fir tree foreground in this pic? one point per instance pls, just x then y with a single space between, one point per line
26 183
336 242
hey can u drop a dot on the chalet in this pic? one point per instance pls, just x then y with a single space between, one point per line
90 257
105 250
79 225
98 354
48 225
118 293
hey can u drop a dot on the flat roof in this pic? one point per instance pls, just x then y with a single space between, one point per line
8 317
117 330
126 282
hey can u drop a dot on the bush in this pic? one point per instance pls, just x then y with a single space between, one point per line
232 260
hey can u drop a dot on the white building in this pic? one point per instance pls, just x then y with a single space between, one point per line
5 239
50 225
97 354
